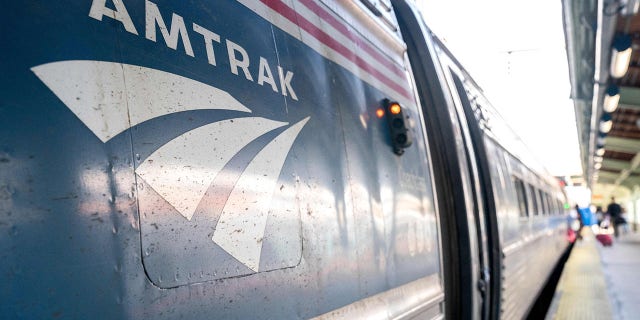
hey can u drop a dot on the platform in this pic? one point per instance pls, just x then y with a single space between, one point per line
600 282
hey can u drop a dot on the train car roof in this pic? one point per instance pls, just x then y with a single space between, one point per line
493 123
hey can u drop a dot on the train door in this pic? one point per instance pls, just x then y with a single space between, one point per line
461 205
484 209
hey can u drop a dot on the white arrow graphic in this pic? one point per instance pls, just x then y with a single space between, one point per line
241 226
182 170
111 97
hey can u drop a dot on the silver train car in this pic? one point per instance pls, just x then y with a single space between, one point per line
272 159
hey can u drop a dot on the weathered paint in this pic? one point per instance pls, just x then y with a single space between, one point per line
224 160
101 109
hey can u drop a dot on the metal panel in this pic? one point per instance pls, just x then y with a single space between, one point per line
122 153
421 299
523 279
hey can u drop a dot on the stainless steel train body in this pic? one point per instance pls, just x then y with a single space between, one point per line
235 159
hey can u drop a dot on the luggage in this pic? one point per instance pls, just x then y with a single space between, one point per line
605 239
620 220
571 235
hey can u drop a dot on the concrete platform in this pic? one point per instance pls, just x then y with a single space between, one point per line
621 267
600 282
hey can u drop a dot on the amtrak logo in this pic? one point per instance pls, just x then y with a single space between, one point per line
110 98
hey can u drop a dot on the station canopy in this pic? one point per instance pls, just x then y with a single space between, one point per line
603 49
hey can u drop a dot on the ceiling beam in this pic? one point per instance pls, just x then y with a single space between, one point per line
609 176
631 182
606 180
622 144
629 96
628 106
635 163
615 164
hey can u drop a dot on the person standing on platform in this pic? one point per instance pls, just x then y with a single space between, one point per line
599 215
615 213
581 220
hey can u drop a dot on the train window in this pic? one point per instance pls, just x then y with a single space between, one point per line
541 209
544 207
522 197
560 207
552 204
534 207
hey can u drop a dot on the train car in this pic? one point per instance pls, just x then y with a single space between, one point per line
273 159
528 203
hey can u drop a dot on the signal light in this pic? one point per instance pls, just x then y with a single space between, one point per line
394 108
397 122
380 113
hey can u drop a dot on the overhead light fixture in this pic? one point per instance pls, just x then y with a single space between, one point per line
611 99
600 140
600 152
605 126
606 123
620 55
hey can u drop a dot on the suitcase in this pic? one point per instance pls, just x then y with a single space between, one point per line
605 239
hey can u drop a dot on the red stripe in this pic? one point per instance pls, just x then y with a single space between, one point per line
326 16
305 24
